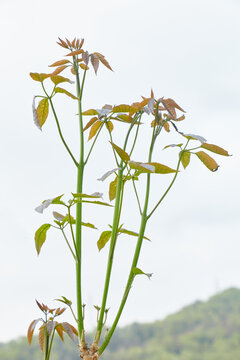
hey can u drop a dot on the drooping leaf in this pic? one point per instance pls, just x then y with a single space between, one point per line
172 145
46 203
59 69
85 57
90 112
59 329
95 62
170 105
42 111
109 125
137 271
50 326
90 123
75 52
123 155
103 60
132 233
104 238
59 63
94 129
113 189
185 158
107 174
57 79
65 301
215 149
166 126
41 337
63 91
39 77
151 167
207 160
31 329
124 118
40 236
195 137
68 329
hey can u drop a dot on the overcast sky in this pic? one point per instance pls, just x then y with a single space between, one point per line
186 50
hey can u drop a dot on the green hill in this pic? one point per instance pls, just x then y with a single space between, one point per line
202 331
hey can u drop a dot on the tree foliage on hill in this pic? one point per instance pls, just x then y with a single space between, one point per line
204 330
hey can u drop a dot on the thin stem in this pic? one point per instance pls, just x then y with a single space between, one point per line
60 133
69 246
50 346
46 343
138 201
114 152
94 141
136 134
74 316
79 209
136 254
171 184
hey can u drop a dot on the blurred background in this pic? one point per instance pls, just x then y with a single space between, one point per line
185 50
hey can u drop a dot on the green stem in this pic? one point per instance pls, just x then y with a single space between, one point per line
46 340
171 184
60 133
50 346
138 201
79 211
69 246
94 141
136 254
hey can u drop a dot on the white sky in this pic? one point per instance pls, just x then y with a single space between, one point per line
186 50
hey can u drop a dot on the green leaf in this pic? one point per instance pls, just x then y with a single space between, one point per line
151 167
113 189
123 155
96 202
63 91
94 128
94 195
65 301
92 226
207 160
172 145
40 236
215 149
39 77
104 238
57 79
185 158
42 111
90 112
132 233
137 271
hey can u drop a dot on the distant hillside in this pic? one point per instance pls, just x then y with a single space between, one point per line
202 331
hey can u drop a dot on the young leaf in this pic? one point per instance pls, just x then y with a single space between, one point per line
103 60
185 158
57 79
215 149
31 329
137 271
84 67
94 129
39 77
207 160
63 91
104 238
75 52
68 329
40 236
85 57
151 167
122 108
96 202
172 145
90 123
59 329
132 233
59 63
42 111
59 69
95 62
89 225
124 118
50 326
113 189
109 126
123 155
41 338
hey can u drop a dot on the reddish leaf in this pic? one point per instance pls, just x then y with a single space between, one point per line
85 57
40 306
60 329
59 69
75 52
95 62
63 43
68 329
41 337
103 60
94 129
59 63
50 326
31 329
